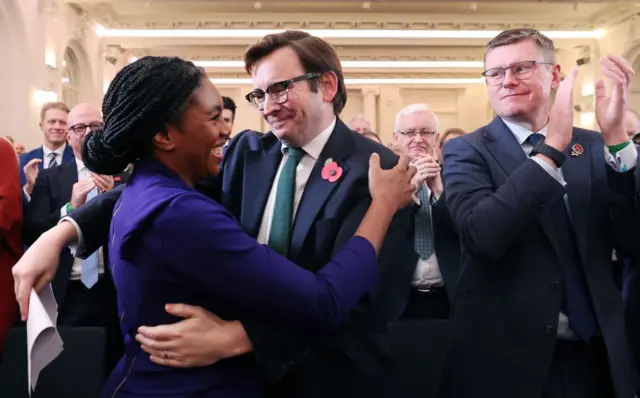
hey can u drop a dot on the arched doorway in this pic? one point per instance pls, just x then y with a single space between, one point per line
70 78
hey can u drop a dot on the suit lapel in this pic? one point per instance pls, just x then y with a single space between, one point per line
504 147
69 176
67 155
577 174
260 168
317 190
39 154
508 153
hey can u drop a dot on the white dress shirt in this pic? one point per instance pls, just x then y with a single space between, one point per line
624 160
311 154
47 152
45 162
76 269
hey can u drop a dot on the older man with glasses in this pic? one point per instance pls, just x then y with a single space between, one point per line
83 288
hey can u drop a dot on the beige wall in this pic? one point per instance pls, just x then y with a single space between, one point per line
33 33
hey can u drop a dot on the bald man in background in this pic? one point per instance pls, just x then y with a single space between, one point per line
83 288
632 124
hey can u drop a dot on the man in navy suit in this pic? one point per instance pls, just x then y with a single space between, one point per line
539 205
83 288
299 90
54 151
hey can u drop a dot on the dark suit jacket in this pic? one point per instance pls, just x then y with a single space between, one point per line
51 192
10 233
447 245
38 153
508 298
631 300
327 216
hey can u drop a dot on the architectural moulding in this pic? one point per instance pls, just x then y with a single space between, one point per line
337 21
346 53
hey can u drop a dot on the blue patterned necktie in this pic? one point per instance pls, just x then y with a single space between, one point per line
53 162
423 230
282 217
89 273
577 303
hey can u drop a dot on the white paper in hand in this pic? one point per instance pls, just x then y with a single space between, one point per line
43 340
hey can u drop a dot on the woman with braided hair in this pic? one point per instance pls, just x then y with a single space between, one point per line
170 243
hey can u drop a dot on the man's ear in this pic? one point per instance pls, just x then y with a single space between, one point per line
328 85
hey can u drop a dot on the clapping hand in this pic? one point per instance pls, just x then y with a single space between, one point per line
610 108
428 171
561 117
103 182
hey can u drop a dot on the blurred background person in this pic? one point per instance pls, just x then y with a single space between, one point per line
10 234
372 136
360 124
449 134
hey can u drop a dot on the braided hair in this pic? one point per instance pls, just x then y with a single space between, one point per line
143 97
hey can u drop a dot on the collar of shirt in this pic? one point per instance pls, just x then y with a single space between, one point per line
522 133
316 145
59 152
80 164
83 171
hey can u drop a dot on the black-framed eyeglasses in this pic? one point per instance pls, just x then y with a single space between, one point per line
279 91
413 133
521 71
81 128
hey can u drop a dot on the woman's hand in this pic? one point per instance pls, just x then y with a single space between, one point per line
39 264
392 187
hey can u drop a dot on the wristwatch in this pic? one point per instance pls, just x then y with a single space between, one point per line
550 152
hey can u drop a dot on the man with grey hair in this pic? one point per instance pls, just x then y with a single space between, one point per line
415 133
360 124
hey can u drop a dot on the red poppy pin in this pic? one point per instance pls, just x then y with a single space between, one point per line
576 150
331 171
116 179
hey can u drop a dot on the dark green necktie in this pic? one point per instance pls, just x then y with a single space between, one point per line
282 218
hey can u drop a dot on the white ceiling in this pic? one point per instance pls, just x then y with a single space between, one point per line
347 14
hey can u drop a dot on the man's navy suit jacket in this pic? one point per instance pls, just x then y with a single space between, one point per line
51 192
38 153
327 216
505 313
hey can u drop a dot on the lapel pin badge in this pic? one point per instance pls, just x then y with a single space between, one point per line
576 150
331 171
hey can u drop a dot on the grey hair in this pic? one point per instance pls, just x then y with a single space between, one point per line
360 117
414 108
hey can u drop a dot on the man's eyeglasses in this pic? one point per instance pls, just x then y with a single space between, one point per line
521 71
279 91
79 129
413 133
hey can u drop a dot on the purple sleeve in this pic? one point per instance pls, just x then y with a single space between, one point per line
200 240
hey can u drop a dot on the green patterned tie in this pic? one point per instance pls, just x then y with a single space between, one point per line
282 218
